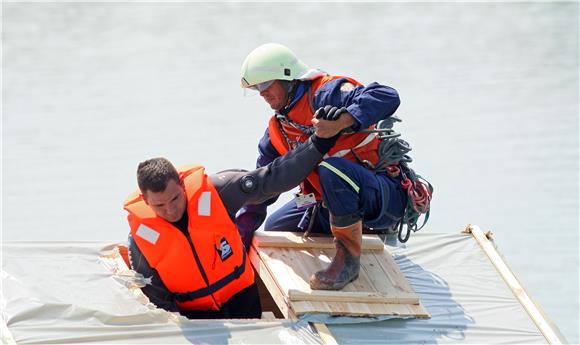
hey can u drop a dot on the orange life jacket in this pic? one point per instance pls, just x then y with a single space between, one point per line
365 145
202 274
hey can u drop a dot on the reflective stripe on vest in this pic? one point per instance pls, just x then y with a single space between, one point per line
342 153
204 270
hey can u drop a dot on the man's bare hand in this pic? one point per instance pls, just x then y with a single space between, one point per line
329 121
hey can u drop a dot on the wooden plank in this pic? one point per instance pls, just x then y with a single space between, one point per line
324 333
283 239
359 309
535 313
295 267
282 263
280 260
269 281
372 274
354 297
268 303
291 268
393 273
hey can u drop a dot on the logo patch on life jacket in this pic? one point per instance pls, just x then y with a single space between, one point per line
225 250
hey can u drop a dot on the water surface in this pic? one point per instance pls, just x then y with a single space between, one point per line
489 102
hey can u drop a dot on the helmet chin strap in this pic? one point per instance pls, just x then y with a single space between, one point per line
290 87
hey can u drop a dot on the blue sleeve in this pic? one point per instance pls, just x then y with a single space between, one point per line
267 152
367 104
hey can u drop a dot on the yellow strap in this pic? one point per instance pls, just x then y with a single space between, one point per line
342 175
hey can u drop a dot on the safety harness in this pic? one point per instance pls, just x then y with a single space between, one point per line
393 159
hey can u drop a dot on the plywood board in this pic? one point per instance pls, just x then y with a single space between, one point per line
279 239
381 288
343 296
269 281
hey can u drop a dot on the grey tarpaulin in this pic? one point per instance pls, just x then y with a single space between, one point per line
71 292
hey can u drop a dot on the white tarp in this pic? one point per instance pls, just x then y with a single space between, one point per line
66 292
72 292
466 297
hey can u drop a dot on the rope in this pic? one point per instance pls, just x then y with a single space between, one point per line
306 130
393 159
419 193
392 149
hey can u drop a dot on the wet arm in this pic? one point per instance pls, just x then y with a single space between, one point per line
283 174
250 217
155 290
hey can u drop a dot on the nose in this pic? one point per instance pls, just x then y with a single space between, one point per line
171 212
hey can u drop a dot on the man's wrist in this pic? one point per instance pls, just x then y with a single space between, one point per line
347 120
323 145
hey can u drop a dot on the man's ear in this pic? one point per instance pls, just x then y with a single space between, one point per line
144 197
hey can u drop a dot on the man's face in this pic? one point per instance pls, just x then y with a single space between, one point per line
275 95
169 204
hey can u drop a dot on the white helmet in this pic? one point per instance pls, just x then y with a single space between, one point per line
271 61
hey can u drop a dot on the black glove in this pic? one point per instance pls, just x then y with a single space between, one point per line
329 113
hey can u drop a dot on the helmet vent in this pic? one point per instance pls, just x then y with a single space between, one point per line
287 71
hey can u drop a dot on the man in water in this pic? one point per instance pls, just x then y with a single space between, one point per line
183 236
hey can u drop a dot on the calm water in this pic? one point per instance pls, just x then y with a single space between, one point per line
489 102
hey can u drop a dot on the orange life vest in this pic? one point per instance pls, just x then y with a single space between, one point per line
206 272
365 145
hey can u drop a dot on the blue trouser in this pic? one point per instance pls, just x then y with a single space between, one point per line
379 200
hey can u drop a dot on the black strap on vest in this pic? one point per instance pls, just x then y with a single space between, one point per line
311 99
206 291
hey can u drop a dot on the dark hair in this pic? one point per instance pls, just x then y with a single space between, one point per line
154 174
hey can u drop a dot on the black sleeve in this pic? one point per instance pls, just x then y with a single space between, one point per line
155 290
238 188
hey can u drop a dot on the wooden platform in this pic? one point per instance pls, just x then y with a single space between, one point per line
285 263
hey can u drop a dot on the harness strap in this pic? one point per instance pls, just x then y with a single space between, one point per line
206 291
310 99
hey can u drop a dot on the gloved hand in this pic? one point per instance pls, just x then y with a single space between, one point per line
329 113
248 220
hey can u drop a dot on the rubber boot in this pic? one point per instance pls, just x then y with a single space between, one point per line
345 265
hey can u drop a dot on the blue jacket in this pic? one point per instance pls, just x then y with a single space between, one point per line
367 104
